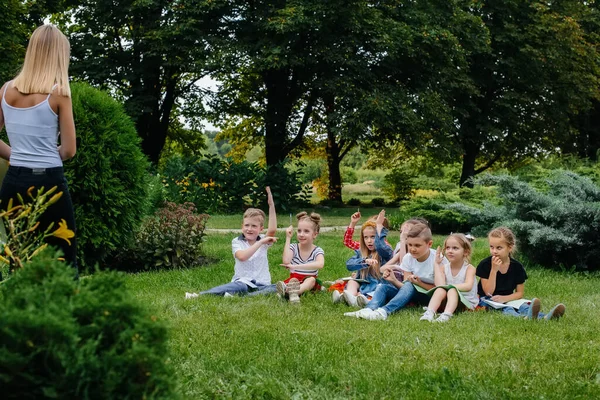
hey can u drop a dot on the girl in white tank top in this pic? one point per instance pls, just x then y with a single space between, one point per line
456 281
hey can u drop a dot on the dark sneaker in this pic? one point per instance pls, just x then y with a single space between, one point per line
557 312
534 309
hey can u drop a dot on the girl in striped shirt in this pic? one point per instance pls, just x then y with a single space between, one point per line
303 259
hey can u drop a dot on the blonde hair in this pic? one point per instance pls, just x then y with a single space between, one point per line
463 242
313 217
509 237
255 213
46 63
420 231
373 270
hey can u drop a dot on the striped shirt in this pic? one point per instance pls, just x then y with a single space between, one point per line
297 259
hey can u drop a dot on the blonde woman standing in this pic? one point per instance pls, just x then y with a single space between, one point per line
36 110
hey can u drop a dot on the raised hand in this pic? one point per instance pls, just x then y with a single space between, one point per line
289 232
269 196
439 257
354 218
380 218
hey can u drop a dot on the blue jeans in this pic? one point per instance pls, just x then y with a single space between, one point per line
241 288
510 311
392 299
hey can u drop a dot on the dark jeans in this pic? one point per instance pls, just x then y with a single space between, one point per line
20 179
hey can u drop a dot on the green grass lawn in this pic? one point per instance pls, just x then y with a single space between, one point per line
262 348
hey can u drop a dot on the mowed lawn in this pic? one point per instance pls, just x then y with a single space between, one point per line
260 347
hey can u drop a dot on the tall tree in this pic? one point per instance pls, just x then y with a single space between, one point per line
149 53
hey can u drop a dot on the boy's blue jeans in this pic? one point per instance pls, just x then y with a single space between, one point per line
392 299
238 287
521 312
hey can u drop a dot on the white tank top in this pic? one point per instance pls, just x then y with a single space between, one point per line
33 134
461 277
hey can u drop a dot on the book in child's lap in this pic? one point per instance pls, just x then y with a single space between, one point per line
513 303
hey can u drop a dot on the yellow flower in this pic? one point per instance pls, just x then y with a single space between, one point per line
63 231
205 185
7 251
54 198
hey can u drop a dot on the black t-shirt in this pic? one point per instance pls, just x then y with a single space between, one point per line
505 283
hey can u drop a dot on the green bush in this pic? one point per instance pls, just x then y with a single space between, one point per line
398 184
349 175
556 225
108 176
171 238
354 202
434 210
217 185
377 202
78 340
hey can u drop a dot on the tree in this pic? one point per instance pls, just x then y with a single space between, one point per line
149 54
538 69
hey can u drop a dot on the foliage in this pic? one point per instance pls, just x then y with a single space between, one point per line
13 37
65 339
377 202
398 184
557 225
20 238
108 176
349 175
149 53
354 202
223 185
171 238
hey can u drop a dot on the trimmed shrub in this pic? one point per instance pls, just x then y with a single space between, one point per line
354 202
108 176
171 238
78 340
435 210
398 184
349 175
377 202
556 225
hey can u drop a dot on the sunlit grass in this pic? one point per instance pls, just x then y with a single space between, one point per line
262 348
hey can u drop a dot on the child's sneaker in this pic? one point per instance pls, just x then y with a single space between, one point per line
428 315
360 313
444 317
349 298
336 297
281 289
378 315
228 295
362 300
190 295
557 312
293 287
534 309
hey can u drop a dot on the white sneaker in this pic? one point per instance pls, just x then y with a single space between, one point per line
336 297
378 315
362 300
227 294
190 295
281 289
293 287
443 317
428 315
360 313
349 299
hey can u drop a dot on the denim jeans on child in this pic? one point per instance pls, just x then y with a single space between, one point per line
521 312
239 287
392 299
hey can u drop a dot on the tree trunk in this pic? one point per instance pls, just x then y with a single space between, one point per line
471 150
333 151
277 115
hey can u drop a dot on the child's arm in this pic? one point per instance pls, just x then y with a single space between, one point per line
287 252
384 250
439 273
379 221
469 280
402 245
356 263
516 295
348 241
317 264
272 227
244 255
388 275
394 261
489 284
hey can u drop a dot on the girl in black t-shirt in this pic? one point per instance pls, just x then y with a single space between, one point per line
502 278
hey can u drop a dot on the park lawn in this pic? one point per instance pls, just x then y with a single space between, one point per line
261 347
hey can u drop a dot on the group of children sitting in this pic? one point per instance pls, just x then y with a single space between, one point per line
384 280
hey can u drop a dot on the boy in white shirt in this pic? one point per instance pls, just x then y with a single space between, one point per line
251 270
417 266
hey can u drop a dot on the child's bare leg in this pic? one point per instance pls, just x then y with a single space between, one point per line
436 300
352 287
307 285
452 301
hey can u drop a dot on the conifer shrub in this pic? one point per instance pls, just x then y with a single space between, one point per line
556 225
69 339
107 177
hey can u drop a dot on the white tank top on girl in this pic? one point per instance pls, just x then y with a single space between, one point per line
32 133
461 277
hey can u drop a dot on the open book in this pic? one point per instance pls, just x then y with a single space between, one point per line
463 299
513 303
